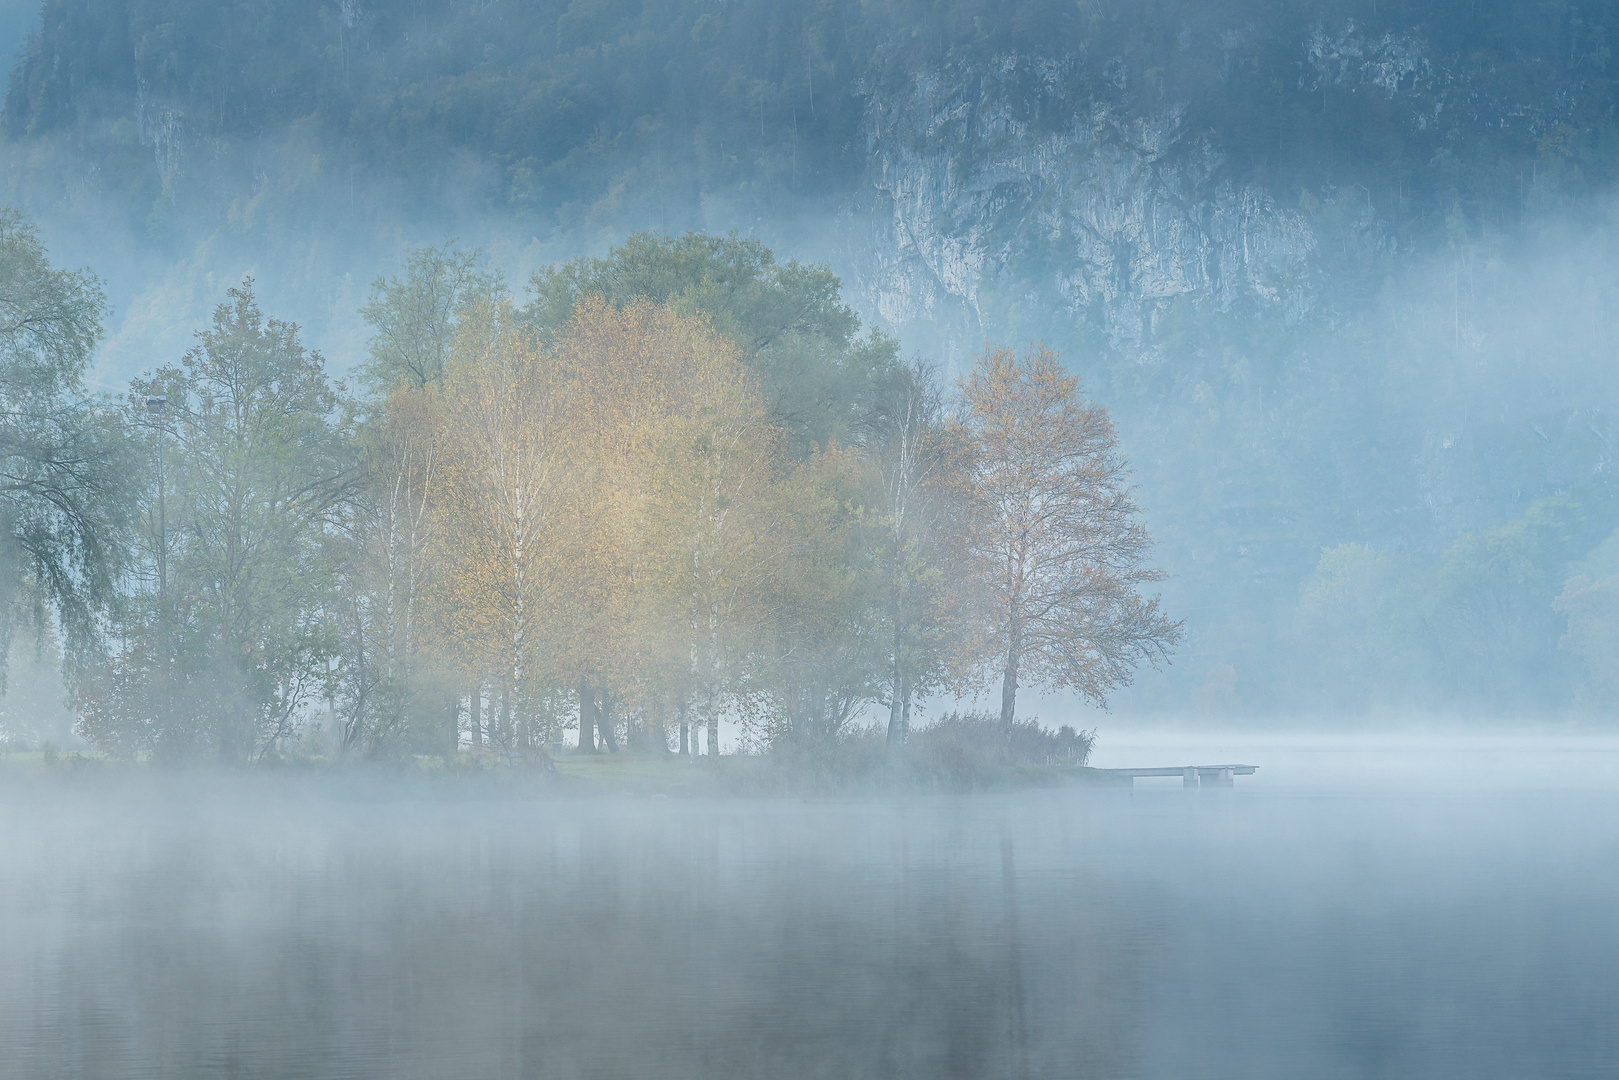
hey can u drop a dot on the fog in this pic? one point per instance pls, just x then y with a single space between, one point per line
1364 909
313 764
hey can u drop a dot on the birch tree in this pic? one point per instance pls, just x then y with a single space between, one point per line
501 491
385 566
709 515
920 462
624 364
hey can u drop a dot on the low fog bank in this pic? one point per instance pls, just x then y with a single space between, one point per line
1415 759
1409 760
281 929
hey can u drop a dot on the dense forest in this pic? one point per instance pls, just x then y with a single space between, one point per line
1340 272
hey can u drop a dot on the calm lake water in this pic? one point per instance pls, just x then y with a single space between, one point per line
282 928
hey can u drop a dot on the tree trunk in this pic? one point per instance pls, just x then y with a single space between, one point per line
1009 681
657 736
685 730
234 749
604 723
505 718
896 708
475 717
713 734
899 714
454 731
587 718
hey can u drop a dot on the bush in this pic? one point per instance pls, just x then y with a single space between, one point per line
970 747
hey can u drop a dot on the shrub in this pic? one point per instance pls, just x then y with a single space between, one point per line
971 746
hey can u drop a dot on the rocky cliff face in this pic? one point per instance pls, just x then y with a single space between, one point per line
998 178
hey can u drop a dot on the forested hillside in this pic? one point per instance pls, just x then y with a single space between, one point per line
1344 271
568 113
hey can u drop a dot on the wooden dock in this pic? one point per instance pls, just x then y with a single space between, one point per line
1193 776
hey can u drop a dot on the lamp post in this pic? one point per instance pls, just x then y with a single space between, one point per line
154 408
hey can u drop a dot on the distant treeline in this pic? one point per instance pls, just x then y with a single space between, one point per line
676 484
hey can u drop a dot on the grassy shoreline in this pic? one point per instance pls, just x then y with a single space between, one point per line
568 774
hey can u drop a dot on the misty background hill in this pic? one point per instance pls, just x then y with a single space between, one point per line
1343 272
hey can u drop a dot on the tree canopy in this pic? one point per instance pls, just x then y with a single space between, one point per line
823 380
65 494
591 511
677 486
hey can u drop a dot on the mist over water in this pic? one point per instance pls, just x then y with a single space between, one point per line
1385 920
1341 276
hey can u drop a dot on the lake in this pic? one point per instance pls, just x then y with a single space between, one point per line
1315 921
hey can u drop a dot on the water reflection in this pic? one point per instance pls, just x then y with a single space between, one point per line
304 933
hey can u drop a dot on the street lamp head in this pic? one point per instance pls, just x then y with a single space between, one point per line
154 405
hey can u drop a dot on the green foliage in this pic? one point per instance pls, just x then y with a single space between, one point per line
224 644
1590 603
971 750
1478 629
33 710
823 380
385 697
1347 622
1592 610
1489 607
414 321
823 651
64 497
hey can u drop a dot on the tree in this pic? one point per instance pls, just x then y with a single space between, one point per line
1591 606
382 562
819 376
67 465
1054 535
710 524
819 652
625 365
1488 607
1353 626
233 650
498 508
414 321
647 380
920 469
